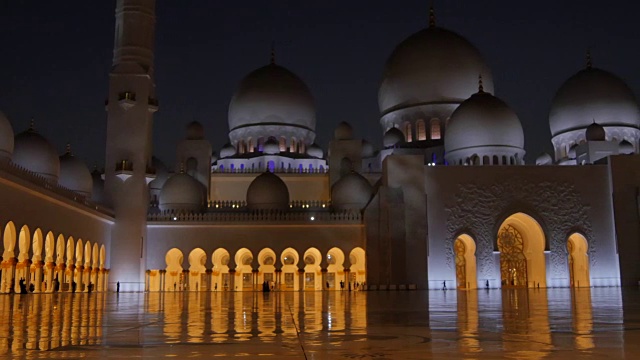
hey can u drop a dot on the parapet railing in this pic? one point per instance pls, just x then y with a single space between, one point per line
275 170
241 205
259 216
33 178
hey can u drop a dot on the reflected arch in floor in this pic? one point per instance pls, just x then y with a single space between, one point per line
577 248
521 242
174 279
464 248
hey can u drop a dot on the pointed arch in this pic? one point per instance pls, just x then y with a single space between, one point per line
174 279
521 242
335 268
244 270
220 274
24 243
266 270
289 258
408 134
435 129
36 249
9 241
197 270
312 270
421 133
357 258
465 251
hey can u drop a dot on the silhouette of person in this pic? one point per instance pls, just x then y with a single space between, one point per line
486 284
327 284
215 287
444 285
118 286
341 285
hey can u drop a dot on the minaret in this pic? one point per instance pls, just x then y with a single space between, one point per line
130 109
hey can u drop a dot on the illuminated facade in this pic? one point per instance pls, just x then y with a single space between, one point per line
447 201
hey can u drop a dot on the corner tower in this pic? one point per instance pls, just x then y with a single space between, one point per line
130 107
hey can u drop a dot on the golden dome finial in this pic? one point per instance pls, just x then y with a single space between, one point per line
273 53
432 17
68 149
589 63
480 87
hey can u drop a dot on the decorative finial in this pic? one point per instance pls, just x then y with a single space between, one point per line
32 125
480 87
589 64
432 17
68 149
181 167
273 53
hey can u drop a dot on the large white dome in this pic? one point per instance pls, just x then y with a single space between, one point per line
272 101
431 66
181 193
34 153
483 125
75 175
6 137
593 95
268 192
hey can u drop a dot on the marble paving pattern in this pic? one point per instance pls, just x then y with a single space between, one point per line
597 323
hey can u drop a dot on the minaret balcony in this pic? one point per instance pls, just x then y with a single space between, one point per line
124 170
149 174
127 99
153 104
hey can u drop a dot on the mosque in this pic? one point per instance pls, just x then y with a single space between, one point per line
446 200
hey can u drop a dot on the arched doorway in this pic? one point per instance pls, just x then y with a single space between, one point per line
577 247
174 279
358 273
465 251
244 271
8 257
289 259
220 274
267 269
197 270
312 270
335 270
521 243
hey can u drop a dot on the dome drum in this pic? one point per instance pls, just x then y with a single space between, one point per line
255 132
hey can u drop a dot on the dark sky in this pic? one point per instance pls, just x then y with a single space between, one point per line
57 54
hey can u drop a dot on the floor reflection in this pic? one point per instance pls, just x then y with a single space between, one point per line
513 323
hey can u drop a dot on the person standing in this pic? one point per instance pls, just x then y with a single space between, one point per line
118 287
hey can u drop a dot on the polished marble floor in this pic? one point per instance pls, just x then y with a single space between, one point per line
598 323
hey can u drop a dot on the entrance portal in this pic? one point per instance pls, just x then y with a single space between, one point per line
577 247
521 243
464 248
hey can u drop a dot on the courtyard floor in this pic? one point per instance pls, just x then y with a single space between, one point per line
598 323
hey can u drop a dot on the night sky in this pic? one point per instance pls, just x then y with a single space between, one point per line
57 55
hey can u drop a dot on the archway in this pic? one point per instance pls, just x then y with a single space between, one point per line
289 259
335 269
48 266
312 270
59 272
521 243
577 247
465 250
197 270
23 265
102 275
220 274
77 284
266 270
358 274
87 285
244 271
95 267
35 272
174 279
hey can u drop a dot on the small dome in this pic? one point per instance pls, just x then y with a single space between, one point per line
266 192
595 132
544 159
343 131
227 151
351 192
34 153
181 193
75 175
593 95
434 65
97 191
195 131
626 147
6 137
392 137
162 175
271 147
315 151
481 124
367 149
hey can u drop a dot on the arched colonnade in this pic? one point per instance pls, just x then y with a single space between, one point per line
247 270
47 262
